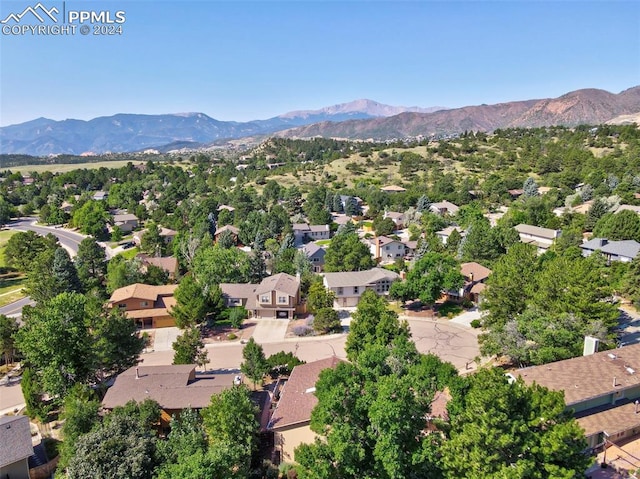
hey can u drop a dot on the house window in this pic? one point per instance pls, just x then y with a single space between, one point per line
144 304
122 306
264 299
355 290
340 291
283 300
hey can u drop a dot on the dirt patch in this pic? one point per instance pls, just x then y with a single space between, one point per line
225 332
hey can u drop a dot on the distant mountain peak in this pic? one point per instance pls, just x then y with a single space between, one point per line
362 106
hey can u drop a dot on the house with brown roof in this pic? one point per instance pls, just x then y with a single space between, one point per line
349 285
165 233
174 388
291 418
127 222
397 218
475 277
165 263
15 447
149 306
234 232
444 208
277 296
393 189
601 389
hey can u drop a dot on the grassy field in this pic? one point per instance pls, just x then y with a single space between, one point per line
11 289
63 168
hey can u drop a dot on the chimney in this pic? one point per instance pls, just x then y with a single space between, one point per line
637 403
471 276
137 373
615 381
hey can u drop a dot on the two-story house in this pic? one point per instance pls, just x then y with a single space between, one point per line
385 249
127 222
316 255
349 285
397 218
602 390
303 232
234 232
475 277
541 238
444 234
150 306
277 296
444 208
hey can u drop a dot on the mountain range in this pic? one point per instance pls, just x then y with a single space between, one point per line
132 132
360 119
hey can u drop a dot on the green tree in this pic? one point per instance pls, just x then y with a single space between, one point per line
347 253
430 276
64 272
230 421
152 243
91 263
8 328
624 225
255 364
224 461
530 187
237 315
23 248
512 430
319 297
187 436
191 304
597 210
372 323
282 363
215 265
80 415
7 210
56 342
326 320
91 218
383 226
423 204
117 448
632 282
189 348
226 240
32 392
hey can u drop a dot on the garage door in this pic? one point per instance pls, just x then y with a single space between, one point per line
164 322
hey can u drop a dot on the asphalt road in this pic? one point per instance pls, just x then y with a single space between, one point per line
68 240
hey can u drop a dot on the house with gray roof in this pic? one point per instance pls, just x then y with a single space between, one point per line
127 222
303 232
444 208
541 238
277 296
385 249
623 251
316 255
349 285
291 417
15 447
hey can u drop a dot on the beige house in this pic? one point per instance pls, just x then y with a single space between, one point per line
541 238
349 286
166 263
385 249
277 296
15 447
150 306
292 415
601 389
475 277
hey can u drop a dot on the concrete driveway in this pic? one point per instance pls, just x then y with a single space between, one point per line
270 330
164 338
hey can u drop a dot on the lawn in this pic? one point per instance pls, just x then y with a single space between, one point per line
4 237
64 168
130 253
323 242
11 288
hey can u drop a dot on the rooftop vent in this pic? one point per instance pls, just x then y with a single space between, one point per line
630 370
311 390
612 356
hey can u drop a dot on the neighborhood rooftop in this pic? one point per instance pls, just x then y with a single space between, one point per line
142 291
537 231
279 282
15 439
358 278
590 376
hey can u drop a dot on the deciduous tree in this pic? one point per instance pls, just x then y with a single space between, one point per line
255 364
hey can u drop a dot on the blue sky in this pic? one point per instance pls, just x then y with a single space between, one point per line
252 60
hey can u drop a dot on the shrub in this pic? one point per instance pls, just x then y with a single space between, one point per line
476 323
237 315
326 320
302 330
231 336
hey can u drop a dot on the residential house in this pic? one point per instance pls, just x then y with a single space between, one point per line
349 286
397 218
150 306
230 209
541 238
345 198
126 222
15 447
316 255
303 232
444 234
277 296
100 195
475 277
385 249
174 388
410 248
165 233
516 193
166 263
623 251
234 232
341 219
444 208
601 390
291 417
393 189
